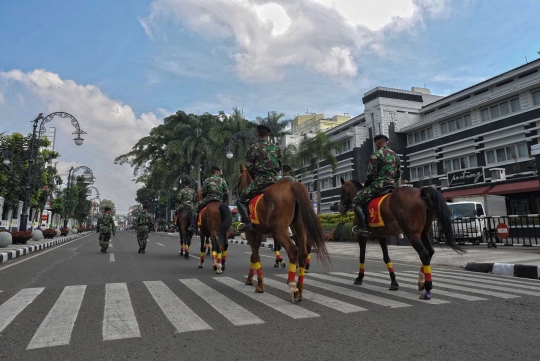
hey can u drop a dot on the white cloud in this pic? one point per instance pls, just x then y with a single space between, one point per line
2 98
265 37
112 127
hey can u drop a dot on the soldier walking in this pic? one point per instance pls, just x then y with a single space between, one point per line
214 189
106 226
142 225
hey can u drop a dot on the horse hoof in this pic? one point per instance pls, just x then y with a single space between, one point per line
259 290
394 287
223 268
421 286
282 264
276 265
215 268
200 265
358 281
426 296
249 282
186 256
219 272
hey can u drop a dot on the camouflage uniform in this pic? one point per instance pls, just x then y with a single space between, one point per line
186 198
106 226
214 189
142 225
263 162
383 169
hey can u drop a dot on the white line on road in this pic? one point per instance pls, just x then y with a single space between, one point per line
355 294
176 311
119 319
337 305
12 307
490 276
491 281
111 257
235 313
110 245
285 307
162 245
56 329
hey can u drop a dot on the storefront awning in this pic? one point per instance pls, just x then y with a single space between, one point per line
466 192
518 187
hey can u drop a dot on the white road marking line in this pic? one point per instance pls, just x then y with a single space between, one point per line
235 313
162 245
337 305
488 276
110 245
262 255
285 307
409 285
414 278
56 329
355 294
119 319
111 257
402 294
176 311
12 307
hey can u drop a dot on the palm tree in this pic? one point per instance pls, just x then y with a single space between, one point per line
276 124
317 149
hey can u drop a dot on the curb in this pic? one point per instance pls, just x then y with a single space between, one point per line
15 253
263 244
506 269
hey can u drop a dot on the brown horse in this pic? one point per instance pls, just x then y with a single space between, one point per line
216 220
284 204
182 221
410 211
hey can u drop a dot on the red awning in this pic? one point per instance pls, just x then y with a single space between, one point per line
518 187
466 192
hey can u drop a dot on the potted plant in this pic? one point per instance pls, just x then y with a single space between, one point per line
64 231
49 233
21 237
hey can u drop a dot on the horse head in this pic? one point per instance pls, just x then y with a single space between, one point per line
244 179
347 194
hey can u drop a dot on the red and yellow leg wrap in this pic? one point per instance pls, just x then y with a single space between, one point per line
181 247
278 257
224 256
362 267
308 258
214 254
219 258
390 267
427 272
202 256
258 267
187 248
292 273
301 272
251 269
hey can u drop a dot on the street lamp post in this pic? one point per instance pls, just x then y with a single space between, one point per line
6 154
71 172
234 138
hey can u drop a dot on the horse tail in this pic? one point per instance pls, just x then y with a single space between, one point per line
315 234
435 201
226 221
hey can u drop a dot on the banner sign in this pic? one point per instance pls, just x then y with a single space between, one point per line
466 177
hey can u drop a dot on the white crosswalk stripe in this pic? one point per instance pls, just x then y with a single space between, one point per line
235 313
56 329
278 304
487 276
371 277
119 319
176 311
337 305
12 307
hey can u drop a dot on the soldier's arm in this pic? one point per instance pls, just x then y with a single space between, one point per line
398 170
372 168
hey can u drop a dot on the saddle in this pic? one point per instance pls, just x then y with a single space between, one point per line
389 188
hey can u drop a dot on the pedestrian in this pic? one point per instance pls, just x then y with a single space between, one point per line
142 225
106 226
214 189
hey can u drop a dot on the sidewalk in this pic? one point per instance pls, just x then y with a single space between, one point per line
17 250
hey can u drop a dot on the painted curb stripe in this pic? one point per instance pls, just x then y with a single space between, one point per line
522 271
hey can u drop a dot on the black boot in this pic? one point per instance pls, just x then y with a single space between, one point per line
244 213
193 227
361 229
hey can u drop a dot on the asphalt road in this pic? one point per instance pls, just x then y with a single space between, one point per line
75 303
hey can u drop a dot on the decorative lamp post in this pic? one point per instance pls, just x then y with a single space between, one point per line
234 138
6 155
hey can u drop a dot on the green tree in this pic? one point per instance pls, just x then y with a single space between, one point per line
276 123
82 209
315 150
108 203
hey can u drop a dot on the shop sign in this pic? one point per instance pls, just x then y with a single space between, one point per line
466 177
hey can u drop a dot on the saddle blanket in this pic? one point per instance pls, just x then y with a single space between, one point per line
374 212
253 216
199 221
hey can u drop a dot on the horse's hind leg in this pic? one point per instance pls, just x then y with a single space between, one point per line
254 241
295 257
425 257
225 248
362 243
308 258
202 236
181 243
394 286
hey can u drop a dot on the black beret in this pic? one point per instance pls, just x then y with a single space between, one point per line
144 207
214 167
380 136
264 127
286 168
107 209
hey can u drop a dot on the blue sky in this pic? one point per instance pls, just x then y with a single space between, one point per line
121 66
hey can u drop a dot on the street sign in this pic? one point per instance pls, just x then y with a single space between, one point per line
502 230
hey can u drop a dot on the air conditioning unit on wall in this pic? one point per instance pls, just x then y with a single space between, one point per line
498 174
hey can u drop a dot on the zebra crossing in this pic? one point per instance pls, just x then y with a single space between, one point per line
238 305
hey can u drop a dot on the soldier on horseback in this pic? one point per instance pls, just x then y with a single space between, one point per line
384 169
263 162
214 189
186 197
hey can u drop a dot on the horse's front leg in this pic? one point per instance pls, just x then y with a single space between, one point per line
424 279
362 243
394 286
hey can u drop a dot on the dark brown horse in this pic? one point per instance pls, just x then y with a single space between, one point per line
408 211
284 204
182 221
216 220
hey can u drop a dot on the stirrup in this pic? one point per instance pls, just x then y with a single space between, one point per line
361 231
245 226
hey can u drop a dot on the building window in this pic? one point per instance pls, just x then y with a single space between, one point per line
305 162
456 124
345 146
426 171
500 110
536 97
346 176
325 183
455 164
512 152
420 136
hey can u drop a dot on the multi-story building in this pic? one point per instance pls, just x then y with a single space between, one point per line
475 141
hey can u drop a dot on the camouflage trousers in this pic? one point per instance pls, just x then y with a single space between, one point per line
255 188
367 193
142 234
104 239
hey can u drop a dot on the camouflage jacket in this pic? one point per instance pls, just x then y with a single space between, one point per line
143 222
384 168
106 224
215 188
186 198
264 160
289 177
